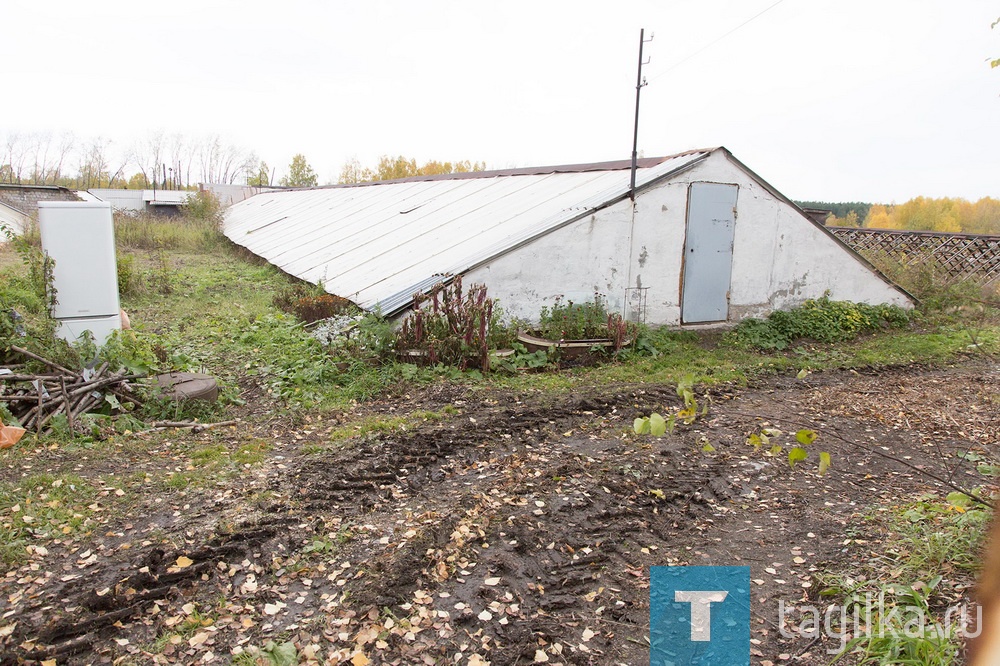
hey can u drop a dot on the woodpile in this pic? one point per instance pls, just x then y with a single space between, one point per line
36 399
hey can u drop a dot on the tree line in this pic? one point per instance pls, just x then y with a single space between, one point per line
176 161
946 215
168 161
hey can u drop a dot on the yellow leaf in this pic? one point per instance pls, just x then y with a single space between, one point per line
183 562
49 662
359 659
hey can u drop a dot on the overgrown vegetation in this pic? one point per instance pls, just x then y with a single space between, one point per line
938 292
821 319
909 600
447 325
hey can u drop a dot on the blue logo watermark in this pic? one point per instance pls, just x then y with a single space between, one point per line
699 616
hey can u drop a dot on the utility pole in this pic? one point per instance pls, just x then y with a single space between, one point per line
640 83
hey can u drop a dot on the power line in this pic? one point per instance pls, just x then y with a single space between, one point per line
713 43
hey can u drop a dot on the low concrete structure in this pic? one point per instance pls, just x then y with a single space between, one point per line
144 201
25 198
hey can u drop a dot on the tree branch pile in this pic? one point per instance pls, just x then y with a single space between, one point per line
36 399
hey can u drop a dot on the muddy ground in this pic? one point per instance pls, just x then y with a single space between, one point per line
520 529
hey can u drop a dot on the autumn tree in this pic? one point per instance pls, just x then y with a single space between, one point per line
945 215
258 174
878 217
352 172
300 174
995 62
392 168
138 181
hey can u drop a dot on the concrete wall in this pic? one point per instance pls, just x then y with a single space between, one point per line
780 258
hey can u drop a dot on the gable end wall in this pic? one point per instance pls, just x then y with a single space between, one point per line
780 258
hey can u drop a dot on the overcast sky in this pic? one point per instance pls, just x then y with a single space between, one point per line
836 100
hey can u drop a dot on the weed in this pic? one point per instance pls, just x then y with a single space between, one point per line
933 285
819 319
451 327
574 321
761 441
907 624
656 425
520 359
900 627
145 231
311 303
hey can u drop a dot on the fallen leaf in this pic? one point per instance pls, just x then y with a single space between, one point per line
359 659
184 562
486 616
540 656
492 581
588 634
274 609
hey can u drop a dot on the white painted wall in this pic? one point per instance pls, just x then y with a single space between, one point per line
573 262
780 258
12 220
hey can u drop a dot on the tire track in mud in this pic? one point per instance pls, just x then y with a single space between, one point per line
541 514
544 497
84 609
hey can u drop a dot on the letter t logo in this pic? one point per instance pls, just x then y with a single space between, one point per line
701 610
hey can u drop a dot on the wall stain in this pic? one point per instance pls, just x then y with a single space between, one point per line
643 256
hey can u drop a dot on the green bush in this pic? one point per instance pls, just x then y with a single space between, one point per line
818 319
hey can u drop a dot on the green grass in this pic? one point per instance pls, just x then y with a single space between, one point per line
377 424
208 463
42 507
927 546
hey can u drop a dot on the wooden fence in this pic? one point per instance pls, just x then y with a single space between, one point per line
960 257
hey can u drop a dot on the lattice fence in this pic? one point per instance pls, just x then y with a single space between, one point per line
957 256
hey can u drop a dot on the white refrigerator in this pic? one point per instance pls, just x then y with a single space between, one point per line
80 237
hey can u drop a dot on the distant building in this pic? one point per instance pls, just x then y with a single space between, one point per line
818 215
231 194
168 202
25 198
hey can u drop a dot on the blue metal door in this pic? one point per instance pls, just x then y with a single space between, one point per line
708 252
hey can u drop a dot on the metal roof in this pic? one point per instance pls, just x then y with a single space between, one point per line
379 243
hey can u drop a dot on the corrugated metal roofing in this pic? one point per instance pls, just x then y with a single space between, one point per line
379 243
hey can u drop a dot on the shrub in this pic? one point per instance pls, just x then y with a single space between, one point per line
311 303
818 319
449 327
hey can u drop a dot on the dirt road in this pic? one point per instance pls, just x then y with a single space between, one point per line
518 530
